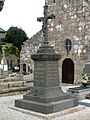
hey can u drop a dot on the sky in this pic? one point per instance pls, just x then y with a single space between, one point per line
22 14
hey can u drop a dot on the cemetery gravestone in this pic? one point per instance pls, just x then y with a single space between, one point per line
1 71
10 66
4 62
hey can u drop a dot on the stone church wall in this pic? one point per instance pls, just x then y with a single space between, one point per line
72 22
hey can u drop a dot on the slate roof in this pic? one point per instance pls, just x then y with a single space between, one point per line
2 31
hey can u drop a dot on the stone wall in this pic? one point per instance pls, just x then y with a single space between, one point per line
72 22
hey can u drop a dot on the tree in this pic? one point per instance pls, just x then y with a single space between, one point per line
16 36
10 49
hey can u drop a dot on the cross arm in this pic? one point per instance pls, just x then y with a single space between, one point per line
40 19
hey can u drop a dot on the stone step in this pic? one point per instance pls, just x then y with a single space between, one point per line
8 79
15 85
14 90
46 108
5 85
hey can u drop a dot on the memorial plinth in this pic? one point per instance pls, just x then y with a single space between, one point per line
46 95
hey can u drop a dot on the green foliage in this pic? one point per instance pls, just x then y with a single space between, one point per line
16 36
10 49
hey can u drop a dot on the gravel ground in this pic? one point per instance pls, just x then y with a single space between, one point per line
6 113
81 115
9 112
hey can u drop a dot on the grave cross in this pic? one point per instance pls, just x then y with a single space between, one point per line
3 51
45 23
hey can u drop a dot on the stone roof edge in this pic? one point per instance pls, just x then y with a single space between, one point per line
39 32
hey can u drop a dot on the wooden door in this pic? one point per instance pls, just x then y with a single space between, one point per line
68 71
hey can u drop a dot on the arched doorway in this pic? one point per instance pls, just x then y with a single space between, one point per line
24 67
68 71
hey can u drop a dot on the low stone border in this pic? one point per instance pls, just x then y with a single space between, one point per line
52 115
85 102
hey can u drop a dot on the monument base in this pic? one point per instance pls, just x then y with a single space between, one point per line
80 92
48 103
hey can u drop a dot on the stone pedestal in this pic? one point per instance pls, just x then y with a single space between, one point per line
46 95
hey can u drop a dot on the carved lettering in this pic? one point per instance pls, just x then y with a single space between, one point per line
39 68
38 92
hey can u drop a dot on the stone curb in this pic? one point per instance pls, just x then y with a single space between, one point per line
85 102
52 115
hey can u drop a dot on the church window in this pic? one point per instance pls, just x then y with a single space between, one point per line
53 1
68 45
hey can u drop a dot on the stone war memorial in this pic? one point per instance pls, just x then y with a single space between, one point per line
46 95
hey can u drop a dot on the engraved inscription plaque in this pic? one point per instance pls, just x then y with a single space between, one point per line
52 73
39 73
46 73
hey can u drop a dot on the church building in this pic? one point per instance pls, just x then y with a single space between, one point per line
68 33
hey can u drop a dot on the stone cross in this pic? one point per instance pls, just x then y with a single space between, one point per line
45 23
1 4
3 51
